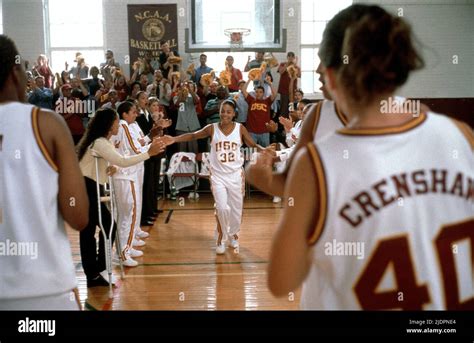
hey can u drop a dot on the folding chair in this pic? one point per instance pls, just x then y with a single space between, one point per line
192 175
199 174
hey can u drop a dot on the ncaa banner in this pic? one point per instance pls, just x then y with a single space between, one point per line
148 26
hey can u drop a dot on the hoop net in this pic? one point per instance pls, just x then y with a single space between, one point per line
236 36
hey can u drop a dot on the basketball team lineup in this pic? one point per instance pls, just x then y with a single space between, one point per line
267 155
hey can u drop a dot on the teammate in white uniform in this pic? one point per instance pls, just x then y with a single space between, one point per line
127 185
39 175
389 220
321 119
96 142
227 176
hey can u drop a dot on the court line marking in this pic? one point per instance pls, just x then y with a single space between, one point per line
200 263
168 217
212 208
192 274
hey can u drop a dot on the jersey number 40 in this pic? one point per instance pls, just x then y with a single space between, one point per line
410 295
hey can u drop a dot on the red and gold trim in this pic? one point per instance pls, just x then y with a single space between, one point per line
317 116
130 140
39 140
77 298
321 193
132 224
342 117
466 131
417 121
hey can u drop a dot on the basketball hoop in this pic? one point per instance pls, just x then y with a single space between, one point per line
235 35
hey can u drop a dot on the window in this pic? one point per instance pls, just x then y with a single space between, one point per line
210 18
1 17
314 17
72 27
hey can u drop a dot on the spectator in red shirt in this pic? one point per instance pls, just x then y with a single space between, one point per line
235 75
43 69
259 113
284 85
73 119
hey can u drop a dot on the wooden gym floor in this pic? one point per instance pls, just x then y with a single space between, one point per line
180 270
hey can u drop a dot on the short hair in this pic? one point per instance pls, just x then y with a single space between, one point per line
260 87
202 55
299 90
8 55
124 107
290 53
305 101
136 83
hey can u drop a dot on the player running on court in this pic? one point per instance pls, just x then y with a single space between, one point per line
226 172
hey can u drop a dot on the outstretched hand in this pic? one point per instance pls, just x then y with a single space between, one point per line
157 147
168 140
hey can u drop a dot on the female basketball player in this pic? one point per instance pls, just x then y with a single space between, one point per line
384 232
227 176
103 125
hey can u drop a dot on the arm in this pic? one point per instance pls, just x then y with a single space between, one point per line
244 91
274 183
134 76
247 67
167 94
292 90
248 140
84 90
203 133
282 68
108 153
290 257
73 201
274 92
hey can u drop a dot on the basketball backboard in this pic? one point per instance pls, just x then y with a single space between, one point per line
211 21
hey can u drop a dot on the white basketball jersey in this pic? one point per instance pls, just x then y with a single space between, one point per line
225 156
328 119
127 145
35 255
395 222
138 134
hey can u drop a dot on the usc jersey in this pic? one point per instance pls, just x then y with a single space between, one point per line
225 156
395 218
328 119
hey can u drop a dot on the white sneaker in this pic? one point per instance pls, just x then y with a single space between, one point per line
233 243
220 249
135 253
138 243
142 234
115 259
105 275
129 262
276 200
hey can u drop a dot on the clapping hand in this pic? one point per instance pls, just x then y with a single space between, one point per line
271 126
287 123
164 123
